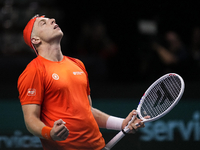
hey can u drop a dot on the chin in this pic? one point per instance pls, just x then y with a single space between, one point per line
61 33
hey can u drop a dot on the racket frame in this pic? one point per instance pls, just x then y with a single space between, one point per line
168 109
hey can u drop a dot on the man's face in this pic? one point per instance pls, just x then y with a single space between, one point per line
47 30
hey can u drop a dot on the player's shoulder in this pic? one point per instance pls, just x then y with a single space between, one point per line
35 64
76 60
72 58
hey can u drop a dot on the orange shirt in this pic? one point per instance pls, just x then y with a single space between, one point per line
62 89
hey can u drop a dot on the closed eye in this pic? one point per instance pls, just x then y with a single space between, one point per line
42 22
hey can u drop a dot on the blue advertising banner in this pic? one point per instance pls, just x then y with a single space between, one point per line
181 125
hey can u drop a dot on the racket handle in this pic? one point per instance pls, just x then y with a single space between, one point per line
114 140
119 136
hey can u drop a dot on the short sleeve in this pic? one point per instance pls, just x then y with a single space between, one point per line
30 85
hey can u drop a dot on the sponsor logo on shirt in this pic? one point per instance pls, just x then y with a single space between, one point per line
31 92
55 76
78 73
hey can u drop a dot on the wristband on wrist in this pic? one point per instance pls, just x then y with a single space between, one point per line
114 123
46 132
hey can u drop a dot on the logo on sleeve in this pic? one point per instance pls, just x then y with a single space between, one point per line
31 92
55 76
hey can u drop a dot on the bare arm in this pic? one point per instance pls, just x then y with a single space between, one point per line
101 118
34 125
32 119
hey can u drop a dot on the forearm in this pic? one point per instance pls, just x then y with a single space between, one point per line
32 119
100 117
114 123
106 121
34 126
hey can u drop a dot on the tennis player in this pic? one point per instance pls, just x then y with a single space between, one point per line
55 95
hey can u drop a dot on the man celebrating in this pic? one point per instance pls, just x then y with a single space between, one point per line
55 95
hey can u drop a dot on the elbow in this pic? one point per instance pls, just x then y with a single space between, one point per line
28 127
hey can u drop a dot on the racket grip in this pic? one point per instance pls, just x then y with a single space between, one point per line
119 136
114 140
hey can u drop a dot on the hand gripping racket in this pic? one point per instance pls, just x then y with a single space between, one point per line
157 101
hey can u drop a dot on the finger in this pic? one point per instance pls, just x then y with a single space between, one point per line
134 112
140 124
58 122
63 122
59 129
130 127
133 128
132 116
147 117
63 133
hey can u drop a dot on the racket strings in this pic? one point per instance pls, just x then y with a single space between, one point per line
161 97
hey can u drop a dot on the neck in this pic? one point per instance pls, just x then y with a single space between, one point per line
51 52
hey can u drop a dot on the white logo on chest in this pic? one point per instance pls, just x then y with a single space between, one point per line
55 76
78 73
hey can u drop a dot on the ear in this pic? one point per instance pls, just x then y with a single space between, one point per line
35 40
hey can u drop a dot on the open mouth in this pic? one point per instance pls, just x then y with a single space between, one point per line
56 26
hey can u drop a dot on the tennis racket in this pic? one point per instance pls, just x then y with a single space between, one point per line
158 100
